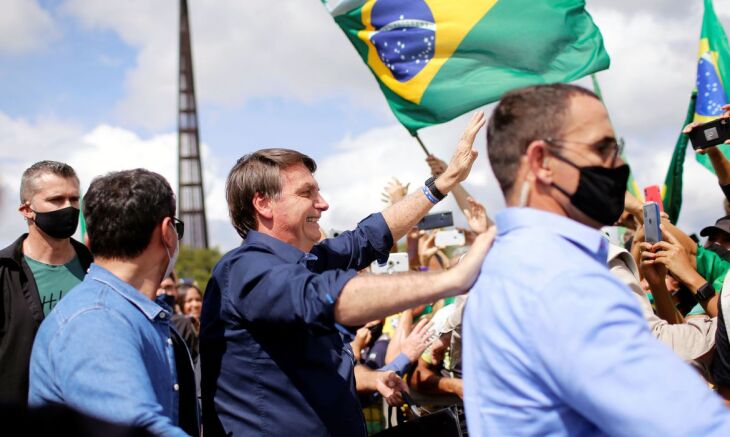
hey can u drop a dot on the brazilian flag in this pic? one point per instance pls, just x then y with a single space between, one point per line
710 94
437 59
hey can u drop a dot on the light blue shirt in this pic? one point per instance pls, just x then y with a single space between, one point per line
106 351
555 345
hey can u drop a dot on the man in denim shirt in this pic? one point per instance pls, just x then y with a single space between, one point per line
107 348
273 358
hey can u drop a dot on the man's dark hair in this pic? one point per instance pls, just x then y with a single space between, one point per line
30 176
122 209
523 116
258 172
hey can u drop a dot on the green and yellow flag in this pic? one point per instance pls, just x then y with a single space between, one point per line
710 94
437 59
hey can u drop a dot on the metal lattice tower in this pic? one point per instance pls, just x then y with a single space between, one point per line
191 197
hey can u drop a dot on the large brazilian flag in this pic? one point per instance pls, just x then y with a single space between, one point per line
710 94
437 59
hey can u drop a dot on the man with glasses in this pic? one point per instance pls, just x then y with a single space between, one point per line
553 343
108 349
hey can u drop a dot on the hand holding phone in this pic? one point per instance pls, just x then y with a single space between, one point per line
652 223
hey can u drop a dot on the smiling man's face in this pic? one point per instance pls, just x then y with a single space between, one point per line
297 210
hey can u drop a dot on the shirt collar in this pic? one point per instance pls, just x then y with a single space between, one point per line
586 237
286 251
150 309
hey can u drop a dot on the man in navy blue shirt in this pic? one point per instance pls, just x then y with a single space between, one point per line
273 357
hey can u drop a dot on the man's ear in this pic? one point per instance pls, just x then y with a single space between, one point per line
167 231
24 209
262 205
538 162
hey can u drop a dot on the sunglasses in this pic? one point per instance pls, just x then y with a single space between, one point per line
179 227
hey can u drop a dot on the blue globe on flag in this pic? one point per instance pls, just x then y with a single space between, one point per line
710 92
404 36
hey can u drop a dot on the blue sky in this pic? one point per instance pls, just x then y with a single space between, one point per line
93 83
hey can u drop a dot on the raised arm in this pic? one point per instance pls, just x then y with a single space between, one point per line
719 162
403 215
476 214
369 297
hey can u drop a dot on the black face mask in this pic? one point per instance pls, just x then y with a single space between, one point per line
601 191
60 223
168 299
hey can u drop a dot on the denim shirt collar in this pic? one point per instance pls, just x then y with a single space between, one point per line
148 307
286 251
583 236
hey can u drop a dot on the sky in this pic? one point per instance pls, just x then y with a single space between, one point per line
94 83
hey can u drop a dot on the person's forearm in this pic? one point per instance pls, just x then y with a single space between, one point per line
721 165
694 281
365 381
404 214
426 381
370 297
665 308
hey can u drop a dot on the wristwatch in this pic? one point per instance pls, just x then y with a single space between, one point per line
705 292
431 185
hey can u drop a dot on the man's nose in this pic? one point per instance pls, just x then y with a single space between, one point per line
321 204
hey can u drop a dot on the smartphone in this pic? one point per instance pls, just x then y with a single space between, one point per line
653 194
397 262
449 237
710 134
652 220
436 220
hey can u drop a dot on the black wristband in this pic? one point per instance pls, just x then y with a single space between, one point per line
431 184
705 292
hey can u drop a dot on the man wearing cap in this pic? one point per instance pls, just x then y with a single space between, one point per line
718 237
38 269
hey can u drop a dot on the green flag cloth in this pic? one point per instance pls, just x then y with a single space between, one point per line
437 59
713 67
672 189
713 72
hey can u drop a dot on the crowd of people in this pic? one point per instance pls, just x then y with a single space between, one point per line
563 331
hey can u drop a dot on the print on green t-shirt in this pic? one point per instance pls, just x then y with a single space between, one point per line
55 281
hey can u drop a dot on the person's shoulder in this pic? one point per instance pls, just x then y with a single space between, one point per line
12 253
83 253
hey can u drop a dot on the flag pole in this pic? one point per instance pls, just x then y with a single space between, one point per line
420 143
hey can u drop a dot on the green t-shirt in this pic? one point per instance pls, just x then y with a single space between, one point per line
55 281
712 267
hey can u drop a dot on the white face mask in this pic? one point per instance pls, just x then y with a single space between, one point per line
172 259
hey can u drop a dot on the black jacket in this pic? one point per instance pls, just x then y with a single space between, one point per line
22 314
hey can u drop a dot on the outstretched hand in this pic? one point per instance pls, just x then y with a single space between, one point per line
390 386
466 271
394 191
476 216
464 156
417 341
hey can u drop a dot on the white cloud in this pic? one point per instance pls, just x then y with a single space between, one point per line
241 50
99 151
24 26
354 175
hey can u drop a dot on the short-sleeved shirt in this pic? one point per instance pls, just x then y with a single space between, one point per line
55 281
273 358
